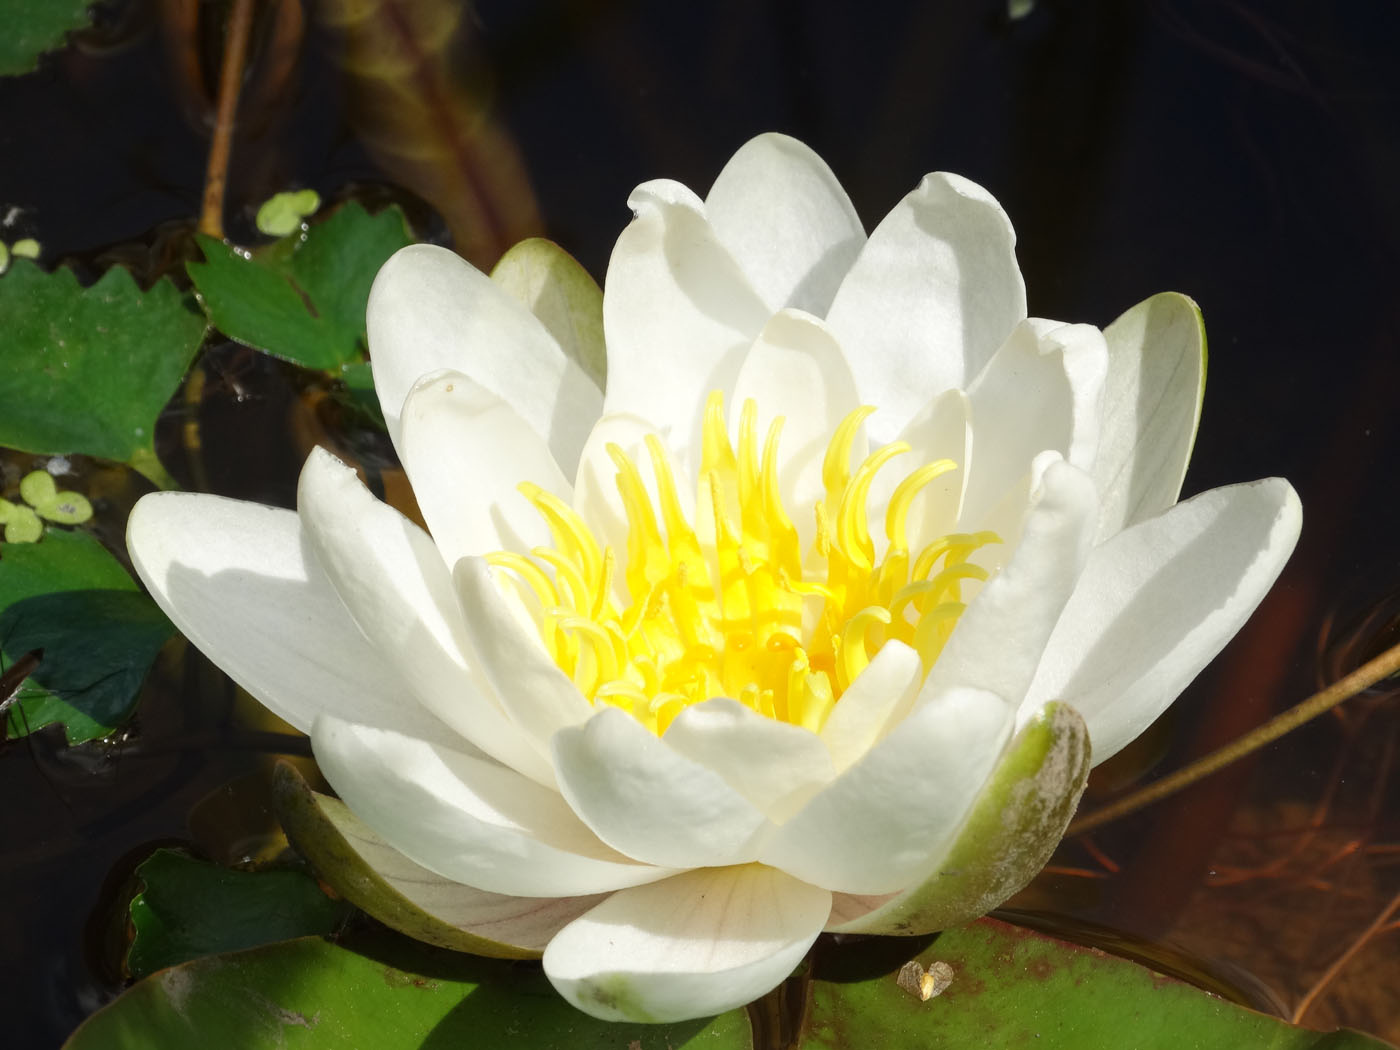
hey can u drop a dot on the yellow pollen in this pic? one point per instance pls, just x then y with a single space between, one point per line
733 609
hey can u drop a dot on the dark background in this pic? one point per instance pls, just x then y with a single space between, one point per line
1247 154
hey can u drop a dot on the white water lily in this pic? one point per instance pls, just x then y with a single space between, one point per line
804 623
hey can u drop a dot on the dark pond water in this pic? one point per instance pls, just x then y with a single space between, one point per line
1247 154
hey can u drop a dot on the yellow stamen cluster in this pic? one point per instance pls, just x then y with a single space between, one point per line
737 614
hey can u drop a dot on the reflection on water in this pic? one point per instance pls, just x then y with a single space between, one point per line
1245 154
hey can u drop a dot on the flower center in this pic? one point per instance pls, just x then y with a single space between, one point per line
739 612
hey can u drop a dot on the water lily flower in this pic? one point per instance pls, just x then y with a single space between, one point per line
809 617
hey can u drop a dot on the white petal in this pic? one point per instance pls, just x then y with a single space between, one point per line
525 922
942 429
647 801
692 946
796 369
466 452
875 702
998 642
392 579
1041 390
429 309
677 311
238 580
874 829
468 819
1158 601
1151 407
781 213
529 686
774 765
932 294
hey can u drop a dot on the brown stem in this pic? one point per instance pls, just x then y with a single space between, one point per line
1378 926
1365 676
240 20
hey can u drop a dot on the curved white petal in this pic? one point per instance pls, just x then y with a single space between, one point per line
1158 601
998 642
932 294
677 312
531 689
1151 407
525 922
875 828
783 216
797 370
429 309
646 800
1041 390
392 579
942 429
874 703
468 819
774 765
466 452
238 580
692 946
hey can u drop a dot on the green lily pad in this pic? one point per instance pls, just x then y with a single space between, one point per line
1000 987
190 908
35 26
561 293
99 634
89 369
302 298
310 994
283 213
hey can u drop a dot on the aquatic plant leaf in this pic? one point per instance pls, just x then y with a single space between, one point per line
390 994
301 298
190 908
99 634
88 370
33 27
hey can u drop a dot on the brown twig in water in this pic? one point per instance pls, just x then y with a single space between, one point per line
1365 676
240 20
1377 926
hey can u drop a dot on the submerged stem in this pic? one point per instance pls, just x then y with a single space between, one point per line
240 19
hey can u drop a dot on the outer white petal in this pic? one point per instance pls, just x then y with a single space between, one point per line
796 369
466 452
774 765
677 311
429 309
692 946
1158 601
932 294
538 697
1151 407
468 819
998 642
392 579
781 213
875 828
879 697
525 922
1041 390
238 580
648 801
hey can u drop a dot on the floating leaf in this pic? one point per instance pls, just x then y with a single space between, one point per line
302 299
35 26
99 634
190 908
89 369
1000 987
22 525
283 213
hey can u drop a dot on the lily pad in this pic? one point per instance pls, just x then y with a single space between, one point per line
1000 987
89 369
67 596
35 26
302 298
190 908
